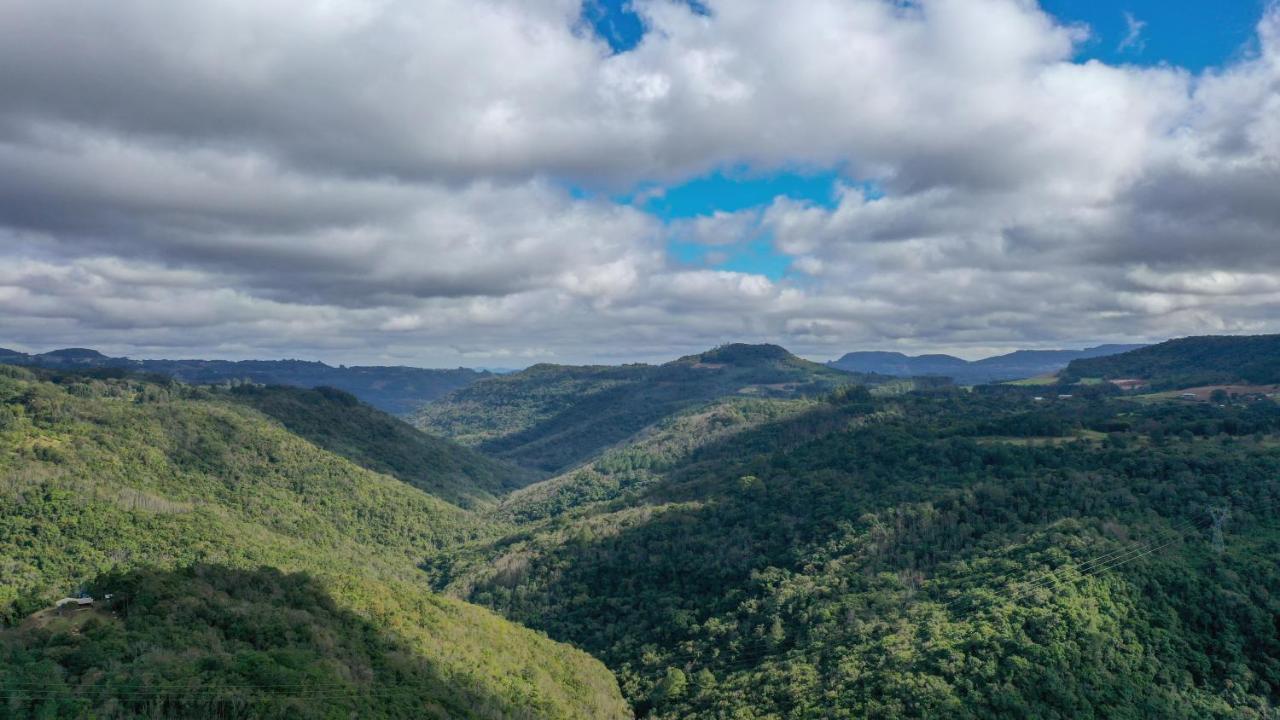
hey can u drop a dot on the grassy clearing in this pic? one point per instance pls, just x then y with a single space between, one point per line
1035 381
1042 441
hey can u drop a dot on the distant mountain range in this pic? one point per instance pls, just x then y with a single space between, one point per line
394 389
1013 366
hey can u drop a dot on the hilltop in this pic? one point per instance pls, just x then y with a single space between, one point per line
745 355
394 389
552 417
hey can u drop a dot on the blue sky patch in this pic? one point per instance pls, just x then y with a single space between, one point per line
733 191
1194 34
616 23
736 190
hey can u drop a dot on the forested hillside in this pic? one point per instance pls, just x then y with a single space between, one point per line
941 554
1190 362
340 423
394 389
552 417
632 467
737 534
251 571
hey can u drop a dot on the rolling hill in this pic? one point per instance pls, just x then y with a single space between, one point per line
937 554
396 389
735 534
372 439
552 417
251 570
1012 366
1190 362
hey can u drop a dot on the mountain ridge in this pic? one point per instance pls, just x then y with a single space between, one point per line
1189 362
397 389
1016 365
552 417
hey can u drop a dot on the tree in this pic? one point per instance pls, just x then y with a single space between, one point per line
705 680
673 686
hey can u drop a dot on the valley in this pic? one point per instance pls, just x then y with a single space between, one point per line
249 568
735 534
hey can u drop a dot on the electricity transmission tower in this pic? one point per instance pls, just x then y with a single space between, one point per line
1219 515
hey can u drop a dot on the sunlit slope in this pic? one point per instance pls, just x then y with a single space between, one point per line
123 486
338 422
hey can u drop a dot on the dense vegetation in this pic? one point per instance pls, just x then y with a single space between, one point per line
205 641
632 467
340 423
942 554
552 417
395 389
1011 366
166 495
1190 362
738 535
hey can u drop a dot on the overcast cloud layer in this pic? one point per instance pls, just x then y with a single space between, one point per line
387 180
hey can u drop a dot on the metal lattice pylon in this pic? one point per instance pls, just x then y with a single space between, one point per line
1219 515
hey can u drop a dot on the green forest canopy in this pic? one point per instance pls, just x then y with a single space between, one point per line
919 556
734 534
1190 362
154 489
550 418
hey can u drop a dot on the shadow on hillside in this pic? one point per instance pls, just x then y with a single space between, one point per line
337 421
742 503
841 480
764 529
215 641
598 421
592 424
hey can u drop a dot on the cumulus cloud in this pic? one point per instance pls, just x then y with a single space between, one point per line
718 228
387 179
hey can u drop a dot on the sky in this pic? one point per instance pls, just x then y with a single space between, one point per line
503 182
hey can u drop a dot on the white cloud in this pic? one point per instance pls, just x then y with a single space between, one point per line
1132 40
718 228
386 177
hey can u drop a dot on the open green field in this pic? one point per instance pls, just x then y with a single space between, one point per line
1033 381
1042 380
